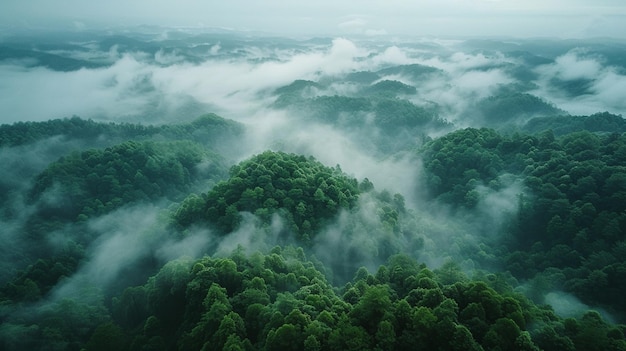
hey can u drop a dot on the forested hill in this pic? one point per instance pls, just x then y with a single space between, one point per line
158 240
362 192
598 122
56 181
303 191
569 228
209 129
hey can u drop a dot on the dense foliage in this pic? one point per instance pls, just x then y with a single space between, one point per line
282 301
385 119
97 181
302 190
207 129
513 108
85 185
506 236
391 114
599 122
573 194
571 220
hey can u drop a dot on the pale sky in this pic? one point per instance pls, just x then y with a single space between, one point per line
517 18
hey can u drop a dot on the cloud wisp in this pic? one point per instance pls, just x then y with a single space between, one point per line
581 83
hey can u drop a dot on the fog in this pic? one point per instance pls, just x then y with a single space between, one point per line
240 82
155 88
368 18
566 305
602 83
172 76
123 238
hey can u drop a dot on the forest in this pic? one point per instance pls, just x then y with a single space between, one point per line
358 210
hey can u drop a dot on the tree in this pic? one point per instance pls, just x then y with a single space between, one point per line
385 336
372 308
503 335
286 338
231 325
107 336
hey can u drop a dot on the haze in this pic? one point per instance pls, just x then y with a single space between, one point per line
555 18
444 175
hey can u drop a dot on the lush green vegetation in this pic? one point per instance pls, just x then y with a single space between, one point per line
84 185
282 301
95 182
513 108
599 122
509 235
569 231
390 88
302 190
567 235
208 129
305 291
383 105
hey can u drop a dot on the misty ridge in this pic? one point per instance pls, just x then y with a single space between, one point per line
179 189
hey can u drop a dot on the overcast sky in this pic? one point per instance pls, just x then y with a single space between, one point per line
518 18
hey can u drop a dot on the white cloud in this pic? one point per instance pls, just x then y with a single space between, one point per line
40 94
610 88
393 55
131 86
123 237
572 66
481 84
605 84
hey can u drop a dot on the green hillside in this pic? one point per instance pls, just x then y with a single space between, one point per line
305 192
365 192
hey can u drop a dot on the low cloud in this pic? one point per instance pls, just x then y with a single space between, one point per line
161 87
393 55
498 206
192 245
459 61
359 238
567 305
609 89
123 238
597 86
574 65
133 86
119 90
251 236
129 243
20 164
284 132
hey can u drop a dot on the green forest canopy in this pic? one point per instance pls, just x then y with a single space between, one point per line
568 235
305 192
